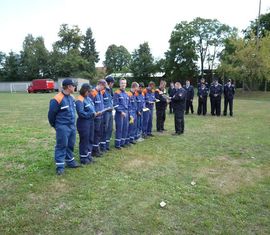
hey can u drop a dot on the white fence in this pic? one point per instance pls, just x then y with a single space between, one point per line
14 86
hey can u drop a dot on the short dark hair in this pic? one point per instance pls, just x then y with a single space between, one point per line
83 90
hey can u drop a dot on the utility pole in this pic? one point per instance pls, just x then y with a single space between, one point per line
258 25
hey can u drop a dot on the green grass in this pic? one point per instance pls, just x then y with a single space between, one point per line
228 158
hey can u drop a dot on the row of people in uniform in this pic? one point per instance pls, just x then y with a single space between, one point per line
94 107
133 109
214 91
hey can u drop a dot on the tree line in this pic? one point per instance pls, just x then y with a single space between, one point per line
199 48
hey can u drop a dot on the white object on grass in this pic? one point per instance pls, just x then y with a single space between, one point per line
193 183
162 204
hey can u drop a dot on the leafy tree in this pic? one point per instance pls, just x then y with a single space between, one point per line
264 27
70 38
2 62
243 60
117 59
89 53
142 62
34 58
181 57
11 67
209 36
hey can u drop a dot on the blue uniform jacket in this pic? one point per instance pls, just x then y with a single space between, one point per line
190 92
202 93
62 110
107 98
215 91
97 99
121 98
140 102
85 108
150 98
132 107
229 91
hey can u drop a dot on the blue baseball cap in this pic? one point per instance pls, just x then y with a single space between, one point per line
68 82
109 79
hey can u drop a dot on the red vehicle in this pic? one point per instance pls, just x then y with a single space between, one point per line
41 85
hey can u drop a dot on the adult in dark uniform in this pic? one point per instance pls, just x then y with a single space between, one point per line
161 105
215 98
202 99
179 105
202 81
170 93
229 91
190 95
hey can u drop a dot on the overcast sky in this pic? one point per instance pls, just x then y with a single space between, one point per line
120 22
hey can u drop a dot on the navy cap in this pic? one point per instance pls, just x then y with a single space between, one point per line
86 86
109 79
67 82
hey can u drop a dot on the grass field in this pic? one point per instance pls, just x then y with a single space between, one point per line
228 158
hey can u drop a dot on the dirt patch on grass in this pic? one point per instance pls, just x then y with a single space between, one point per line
138 163
228 175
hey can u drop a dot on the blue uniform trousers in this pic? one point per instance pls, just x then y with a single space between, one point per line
139 126
86 132
147 122
107 130
98 129
65 141
121 129
132 129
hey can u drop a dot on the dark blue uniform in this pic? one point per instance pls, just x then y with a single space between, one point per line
215 99
121 99
179 106
160 109
202 100
107 119
97 99
85 126
189 98
150 99
140 106
132 109
62 117
229 91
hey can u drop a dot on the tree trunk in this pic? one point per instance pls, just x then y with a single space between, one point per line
265 85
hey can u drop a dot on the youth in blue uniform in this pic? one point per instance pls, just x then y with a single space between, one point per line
97 98
140 106
85 124
229 91
62 117
149 95
132 109
107 116
121 101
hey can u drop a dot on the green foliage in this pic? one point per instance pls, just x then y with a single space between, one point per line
70 38
264 27
117 59
247 60
89 53
11 66
181 57
142 64
210 36
34 59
